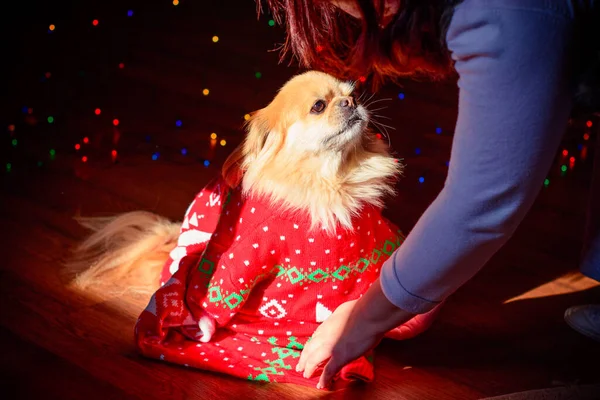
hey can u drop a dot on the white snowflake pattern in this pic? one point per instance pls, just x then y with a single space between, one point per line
327 251
273 309
311 240
295 226
230 256
298 251
246 263
255 245
240 348
281 237
313 263
252 210
265 228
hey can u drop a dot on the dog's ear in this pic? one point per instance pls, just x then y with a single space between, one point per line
257 129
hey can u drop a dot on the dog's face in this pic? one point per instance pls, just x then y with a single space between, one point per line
312 113
320 114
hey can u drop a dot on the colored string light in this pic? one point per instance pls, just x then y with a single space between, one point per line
84 158
362 79
155 156
175 2
205 92
97 111
121 65
50 119
11 128
246 117
271 22
417 151
215 39
115 122
223 142
213 136
378 136
421 179
206 163
258 75
184 151
47 75
178 123
588 124
401 96
563 168
8 167
52 27
14 142
77 146
86 140
52 152
565 152
586 136
438 130
546 182
130 13
95 22
320 48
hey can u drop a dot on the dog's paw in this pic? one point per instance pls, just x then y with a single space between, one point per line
208 327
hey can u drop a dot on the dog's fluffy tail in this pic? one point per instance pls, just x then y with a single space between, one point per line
124 253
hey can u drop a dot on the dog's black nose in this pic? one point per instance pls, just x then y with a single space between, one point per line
347 102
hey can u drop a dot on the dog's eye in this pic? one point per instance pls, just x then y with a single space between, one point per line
318 107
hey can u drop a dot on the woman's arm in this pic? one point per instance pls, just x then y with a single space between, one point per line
514 104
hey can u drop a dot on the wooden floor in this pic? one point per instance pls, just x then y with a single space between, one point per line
502 333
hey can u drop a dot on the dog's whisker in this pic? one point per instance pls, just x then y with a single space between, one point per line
378 101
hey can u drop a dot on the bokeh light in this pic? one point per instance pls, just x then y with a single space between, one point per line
205 92
95 22
86 140
178 123
401 96
115 122
97 111
50 119
223 142
258 75
246 117
52 27
213 136
215 39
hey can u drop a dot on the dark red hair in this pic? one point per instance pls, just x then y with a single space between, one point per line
323 37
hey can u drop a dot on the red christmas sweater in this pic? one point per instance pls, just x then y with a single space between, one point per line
266 279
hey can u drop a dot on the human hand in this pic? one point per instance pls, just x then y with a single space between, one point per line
341 339
352 330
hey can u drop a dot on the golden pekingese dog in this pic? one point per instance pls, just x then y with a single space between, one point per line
266 252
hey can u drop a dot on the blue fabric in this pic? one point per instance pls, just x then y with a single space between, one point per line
514 60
